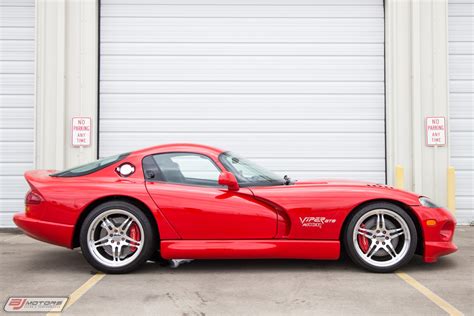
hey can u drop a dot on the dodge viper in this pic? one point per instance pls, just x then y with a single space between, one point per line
186 201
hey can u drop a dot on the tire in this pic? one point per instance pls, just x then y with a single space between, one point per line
117 237
380 237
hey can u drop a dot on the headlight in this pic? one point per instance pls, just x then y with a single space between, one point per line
426 202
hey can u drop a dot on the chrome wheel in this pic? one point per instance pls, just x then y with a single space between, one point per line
115 238
381 238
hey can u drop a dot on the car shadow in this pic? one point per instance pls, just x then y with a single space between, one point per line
62 260
255 265
344 264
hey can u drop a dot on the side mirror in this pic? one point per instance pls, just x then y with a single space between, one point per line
228 179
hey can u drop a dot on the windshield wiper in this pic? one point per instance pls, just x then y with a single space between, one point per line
287 180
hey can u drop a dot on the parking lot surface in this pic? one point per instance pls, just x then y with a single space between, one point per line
239 287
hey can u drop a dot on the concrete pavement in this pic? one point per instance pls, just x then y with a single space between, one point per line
236 287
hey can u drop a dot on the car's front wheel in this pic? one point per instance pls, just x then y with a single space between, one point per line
381 237
117 237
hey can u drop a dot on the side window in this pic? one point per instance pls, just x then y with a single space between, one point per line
187 168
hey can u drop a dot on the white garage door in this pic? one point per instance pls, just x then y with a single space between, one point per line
297 85
16 103
461 74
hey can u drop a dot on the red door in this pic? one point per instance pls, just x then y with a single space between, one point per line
185 188
198 212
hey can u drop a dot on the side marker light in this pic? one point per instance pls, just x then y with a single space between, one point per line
431 222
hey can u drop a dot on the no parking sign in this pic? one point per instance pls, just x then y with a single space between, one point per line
436 131
81 131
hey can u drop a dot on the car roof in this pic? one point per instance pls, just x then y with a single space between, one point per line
179 147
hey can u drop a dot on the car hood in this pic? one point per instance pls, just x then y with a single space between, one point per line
333 182
358 185
334 189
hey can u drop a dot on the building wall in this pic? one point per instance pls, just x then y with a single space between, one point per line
416 87
416 72
17 55
461 97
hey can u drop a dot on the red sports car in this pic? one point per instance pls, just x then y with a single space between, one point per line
187 201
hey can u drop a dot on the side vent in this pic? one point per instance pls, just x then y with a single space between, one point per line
378 185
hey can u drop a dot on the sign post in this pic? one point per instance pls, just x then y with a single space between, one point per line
81 131
435 131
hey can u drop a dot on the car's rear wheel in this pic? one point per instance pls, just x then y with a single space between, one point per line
381 237
117 237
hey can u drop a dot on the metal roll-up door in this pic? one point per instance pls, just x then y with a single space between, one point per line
17 19
461 98
298 86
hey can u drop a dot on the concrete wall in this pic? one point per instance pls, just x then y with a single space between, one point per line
66 79
416 86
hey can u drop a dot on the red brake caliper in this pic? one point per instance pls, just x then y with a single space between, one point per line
134 234
363 241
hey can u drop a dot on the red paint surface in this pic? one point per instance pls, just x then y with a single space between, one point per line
250 249
211 222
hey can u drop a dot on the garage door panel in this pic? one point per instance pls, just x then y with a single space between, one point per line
6 217
462 67
242 107
461 9
242 68
463 163
375 177
13 186
247 30
461 48
463 105
464 182
330 165
463 143
21 135
461 84
14 168
258 144
21 3
297 83
16 101
464 204
242 49
239 2
241 87
17 16
462 125
17 33
17 50
226 125
239 11
15 55
460 28
8 210
16 118
11 21
14 84
16 67
16 151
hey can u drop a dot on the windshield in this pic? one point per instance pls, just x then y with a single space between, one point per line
247 172
90 167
